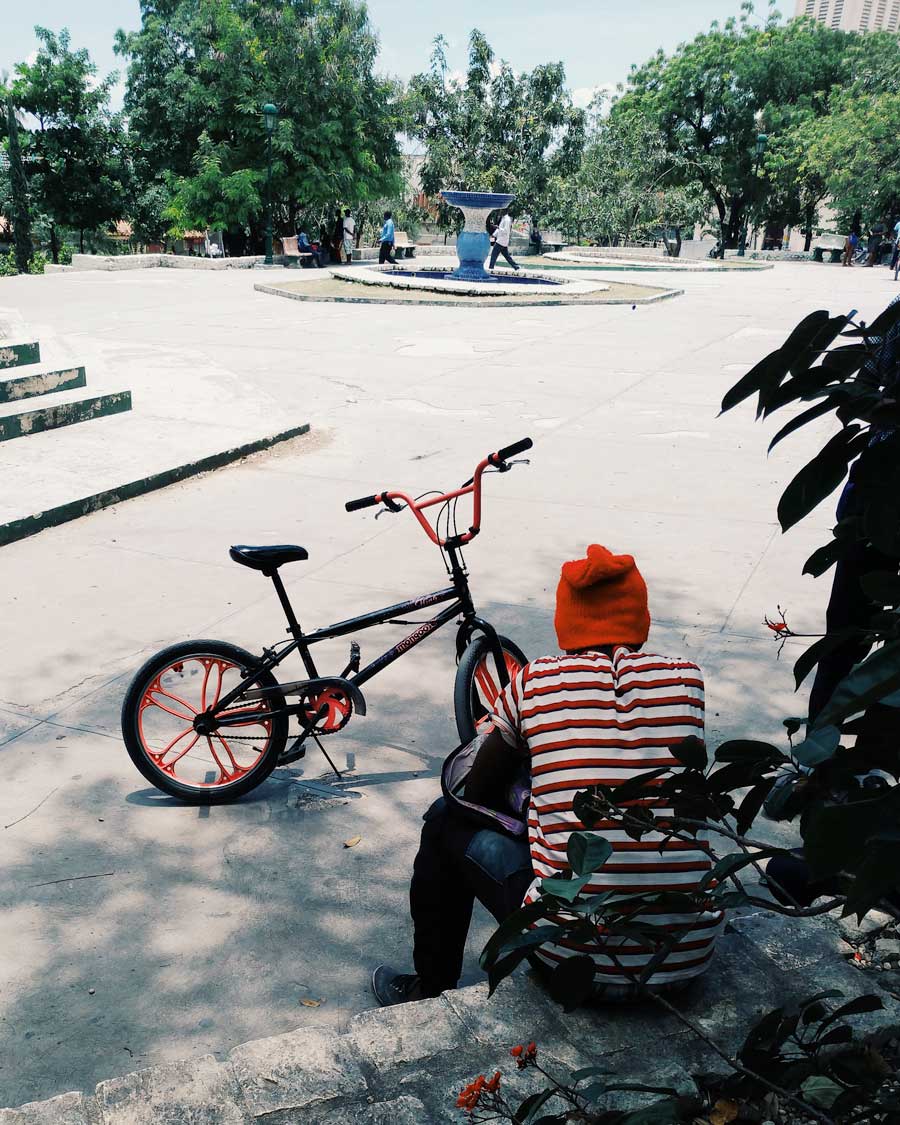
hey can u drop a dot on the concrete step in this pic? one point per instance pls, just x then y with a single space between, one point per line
41 383
56 477
15 354
64 408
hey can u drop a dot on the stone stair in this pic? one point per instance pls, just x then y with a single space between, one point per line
17 387
405 1065
58 392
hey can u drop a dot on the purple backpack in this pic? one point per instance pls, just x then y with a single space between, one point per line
511 820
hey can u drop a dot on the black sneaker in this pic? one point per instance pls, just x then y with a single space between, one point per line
391 987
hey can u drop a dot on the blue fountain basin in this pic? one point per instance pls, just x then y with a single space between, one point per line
490 200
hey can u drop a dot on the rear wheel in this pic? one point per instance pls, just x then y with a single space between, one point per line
478 683
167 695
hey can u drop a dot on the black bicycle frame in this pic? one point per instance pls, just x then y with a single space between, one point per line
461 605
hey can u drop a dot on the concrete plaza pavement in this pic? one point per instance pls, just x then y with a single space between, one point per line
135 930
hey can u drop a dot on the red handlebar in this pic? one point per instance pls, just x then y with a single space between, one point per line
417 507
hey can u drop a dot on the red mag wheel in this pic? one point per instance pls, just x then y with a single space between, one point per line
478 686
158 723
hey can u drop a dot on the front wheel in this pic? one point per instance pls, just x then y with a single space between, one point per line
478 684
158 723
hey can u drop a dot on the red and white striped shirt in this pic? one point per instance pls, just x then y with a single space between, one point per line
590 719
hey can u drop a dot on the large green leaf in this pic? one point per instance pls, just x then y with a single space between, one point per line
749 808
877 676
821 1091
823 647
746 749
882 586
823 558
820 477
774 366
691 752
818 747
587 852
566 889
823 407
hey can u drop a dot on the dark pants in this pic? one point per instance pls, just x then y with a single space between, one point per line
457 863
386 254
504 250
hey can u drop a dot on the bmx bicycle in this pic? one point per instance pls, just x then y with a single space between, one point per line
207 721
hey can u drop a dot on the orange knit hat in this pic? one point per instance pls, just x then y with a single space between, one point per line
601 600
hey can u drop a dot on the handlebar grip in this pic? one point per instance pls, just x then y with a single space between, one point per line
512 450
362 502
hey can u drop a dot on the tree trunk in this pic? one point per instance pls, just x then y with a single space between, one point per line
673 249
81 241
810 211
20 215
54 244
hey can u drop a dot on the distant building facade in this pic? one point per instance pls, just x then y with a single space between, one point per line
853 15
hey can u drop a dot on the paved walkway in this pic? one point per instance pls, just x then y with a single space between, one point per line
201 929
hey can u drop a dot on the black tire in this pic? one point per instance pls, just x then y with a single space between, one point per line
468 701
187 790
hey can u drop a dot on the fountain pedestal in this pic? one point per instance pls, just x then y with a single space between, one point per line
473 244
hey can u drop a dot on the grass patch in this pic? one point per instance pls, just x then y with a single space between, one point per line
330 289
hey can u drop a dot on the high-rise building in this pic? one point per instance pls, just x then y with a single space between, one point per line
853 15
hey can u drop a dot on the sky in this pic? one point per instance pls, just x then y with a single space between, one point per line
598 40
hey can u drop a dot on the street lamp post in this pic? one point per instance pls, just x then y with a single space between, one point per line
761 141
270 116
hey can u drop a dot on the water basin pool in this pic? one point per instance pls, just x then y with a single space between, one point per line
509 278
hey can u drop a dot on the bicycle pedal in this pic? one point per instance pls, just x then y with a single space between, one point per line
355 657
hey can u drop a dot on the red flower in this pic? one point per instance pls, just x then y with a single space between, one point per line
516 1051
469 1097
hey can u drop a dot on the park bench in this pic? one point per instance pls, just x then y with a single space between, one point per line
835 250
293 255
403 248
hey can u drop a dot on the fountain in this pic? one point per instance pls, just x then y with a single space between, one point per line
473 244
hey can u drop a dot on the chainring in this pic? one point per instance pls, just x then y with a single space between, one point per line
338 710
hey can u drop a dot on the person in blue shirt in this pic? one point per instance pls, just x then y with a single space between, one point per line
386 253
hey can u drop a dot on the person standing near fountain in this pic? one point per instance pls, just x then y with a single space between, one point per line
386 253
501 241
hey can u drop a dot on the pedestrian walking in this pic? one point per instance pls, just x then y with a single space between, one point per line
349 227
501 241
387 237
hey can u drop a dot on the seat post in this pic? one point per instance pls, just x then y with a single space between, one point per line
285 603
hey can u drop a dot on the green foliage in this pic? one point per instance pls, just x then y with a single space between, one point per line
75 157
494 131
8 267
628 186
199 71
18 191
714 94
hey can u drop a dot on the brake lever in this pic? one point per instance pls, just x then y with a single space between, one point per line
390 506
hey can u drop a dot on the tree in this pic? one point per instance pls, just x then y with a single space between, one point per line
75 157
627 186
199 71
710 100
18 187
857 147
495 131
